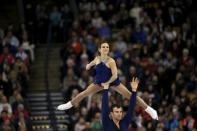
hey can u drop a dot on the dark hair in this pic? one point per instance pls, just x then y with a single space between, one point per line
114 106
101 42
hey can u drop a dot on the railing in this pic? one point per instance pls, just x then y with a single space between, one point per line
46 63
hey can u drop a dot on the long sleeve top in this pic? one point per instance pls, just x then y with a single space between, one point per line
108 124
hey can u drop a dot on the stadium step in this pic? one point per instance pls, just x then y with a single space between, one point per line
41 112
43 102
47 127
37 75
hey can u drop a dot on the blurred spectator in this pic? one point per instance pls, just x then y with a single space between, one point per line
55 19
7 126
5 106
97 20
104 31
96 124
6 57
20 109
27 47
22 55
22 124
80 125
4 116
135 13
11 41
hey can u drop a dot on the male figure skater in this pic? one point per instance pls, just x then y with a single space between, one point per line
117 122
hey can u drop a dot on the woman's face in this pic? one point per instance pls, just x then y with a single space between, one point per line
104 49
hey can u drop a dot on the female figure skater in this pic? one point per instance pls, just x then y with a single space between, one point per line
106 75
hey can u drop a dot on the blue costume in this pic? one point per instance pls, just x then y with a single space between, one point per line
102 74
108 124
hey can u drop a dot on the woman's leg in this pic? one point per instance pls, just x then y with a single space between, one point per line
121 89
91 89
125 92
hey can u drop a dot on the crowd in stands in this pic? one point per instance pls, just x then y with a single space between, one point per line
152 40
16 56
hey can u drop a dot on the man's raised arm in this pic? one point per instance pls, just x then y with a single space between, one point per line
128 117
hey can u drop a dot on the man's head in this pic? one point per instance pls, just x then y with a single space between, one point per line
116 112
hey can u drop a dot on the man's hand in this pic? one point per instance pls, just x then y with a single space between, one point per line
134 84
88 66
105 85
